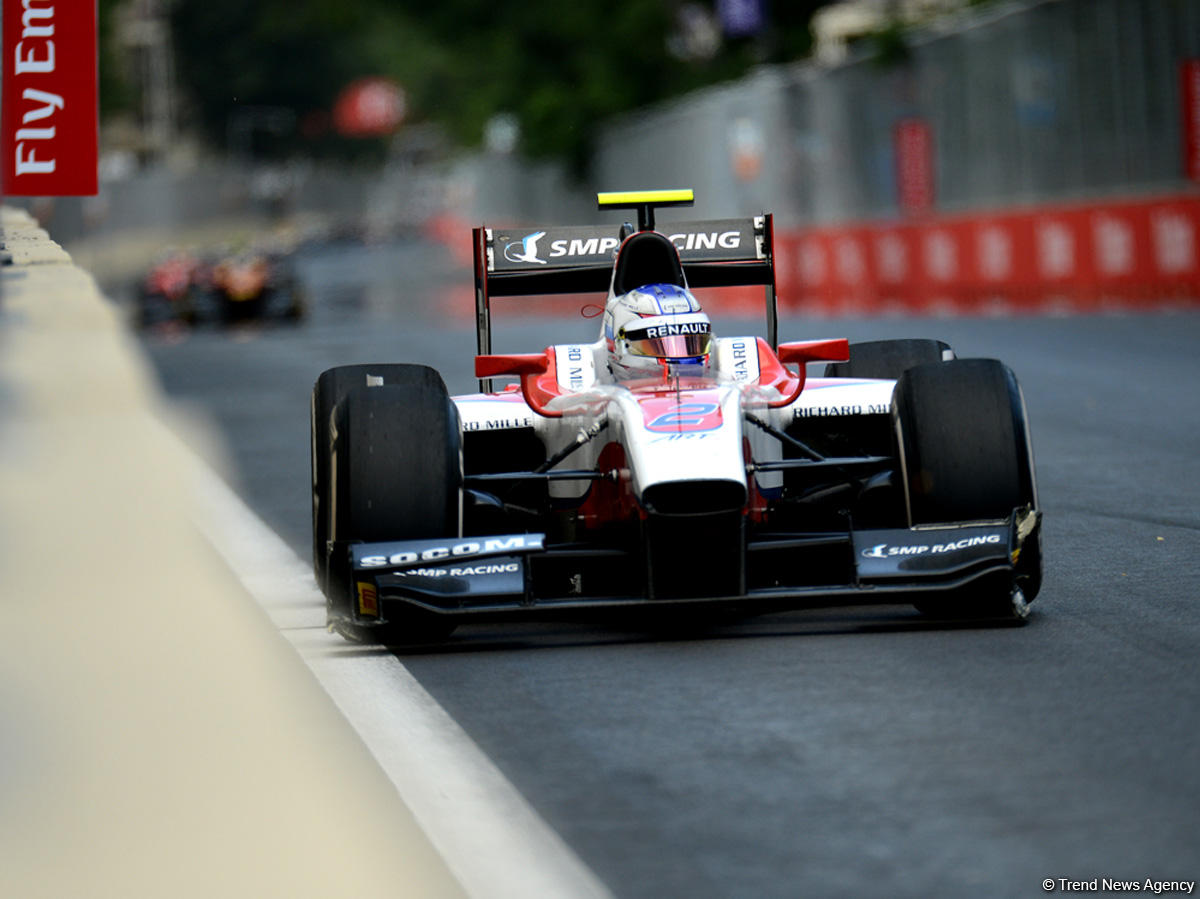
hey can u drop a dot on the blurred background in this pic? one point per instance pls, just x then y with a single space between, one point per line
956 154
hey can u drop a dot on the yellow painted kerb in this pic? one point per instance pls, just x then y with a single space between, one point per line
656 197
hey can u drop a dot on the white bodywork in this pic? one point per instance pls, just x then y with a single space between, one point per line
692 431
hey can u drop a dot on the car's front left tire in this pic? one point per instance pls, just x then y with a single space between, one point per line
963 439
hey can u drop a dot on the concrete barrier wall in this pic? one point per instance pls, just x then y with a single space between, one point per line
157 735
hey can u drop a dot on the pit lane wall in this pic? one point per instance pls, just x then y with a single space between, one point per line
157 735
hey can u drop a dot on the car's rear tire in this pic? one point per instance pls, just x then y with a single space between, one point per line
888 359
965 451
396 472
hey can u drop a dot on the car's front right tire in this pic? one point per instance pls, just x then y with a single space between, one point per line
386 466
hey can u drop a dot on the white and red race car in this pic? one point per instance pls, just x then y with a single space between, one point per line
713 476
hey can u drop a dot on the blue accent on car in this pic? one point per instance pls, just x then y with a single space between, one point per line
528 251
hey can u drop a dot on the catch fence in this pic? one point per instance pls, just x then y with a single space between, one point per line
1027 155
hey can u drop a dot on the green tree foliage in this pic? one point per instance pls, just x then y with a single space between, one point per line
239 61
116 95
560 67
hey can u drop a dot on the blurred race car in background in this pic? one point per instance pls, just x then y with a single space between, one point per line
255 287
224 288
661 467
168 291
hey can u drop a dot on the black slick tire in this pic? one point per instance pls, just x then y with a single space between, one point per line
329 390
888 359
395 468
965 452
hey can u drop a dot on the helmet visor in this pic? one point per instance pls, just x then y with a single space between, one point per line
675 346
670 336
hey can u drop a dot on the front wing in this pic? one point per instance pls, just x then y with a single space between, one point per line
523 575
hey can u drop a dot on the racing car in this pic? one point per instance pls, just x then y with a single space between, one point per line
166 296
662 467
255 286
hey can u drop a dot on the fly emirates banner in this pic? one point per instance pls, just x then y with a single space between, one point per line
49 115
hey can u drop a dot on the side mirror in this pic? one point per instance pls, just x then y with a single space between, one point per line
515 364
775 374
805 351
537 371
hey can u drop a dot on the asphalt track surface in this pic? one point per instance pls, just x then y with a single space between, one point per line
833 752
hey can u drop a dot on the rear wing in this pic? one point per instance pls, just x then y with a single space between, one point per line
579 259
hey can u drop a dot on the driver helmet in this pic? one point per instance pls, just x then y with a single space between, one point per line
654 326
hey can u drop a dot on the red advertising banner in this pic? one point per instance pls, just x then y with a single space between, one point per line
48 123
1133 254
1189 93
914 166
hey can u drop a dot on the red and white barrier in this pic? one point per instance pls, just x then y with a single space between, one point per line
1118 254
1121 254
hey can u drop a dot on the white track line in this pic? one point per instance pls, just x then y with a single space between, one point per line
494 843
